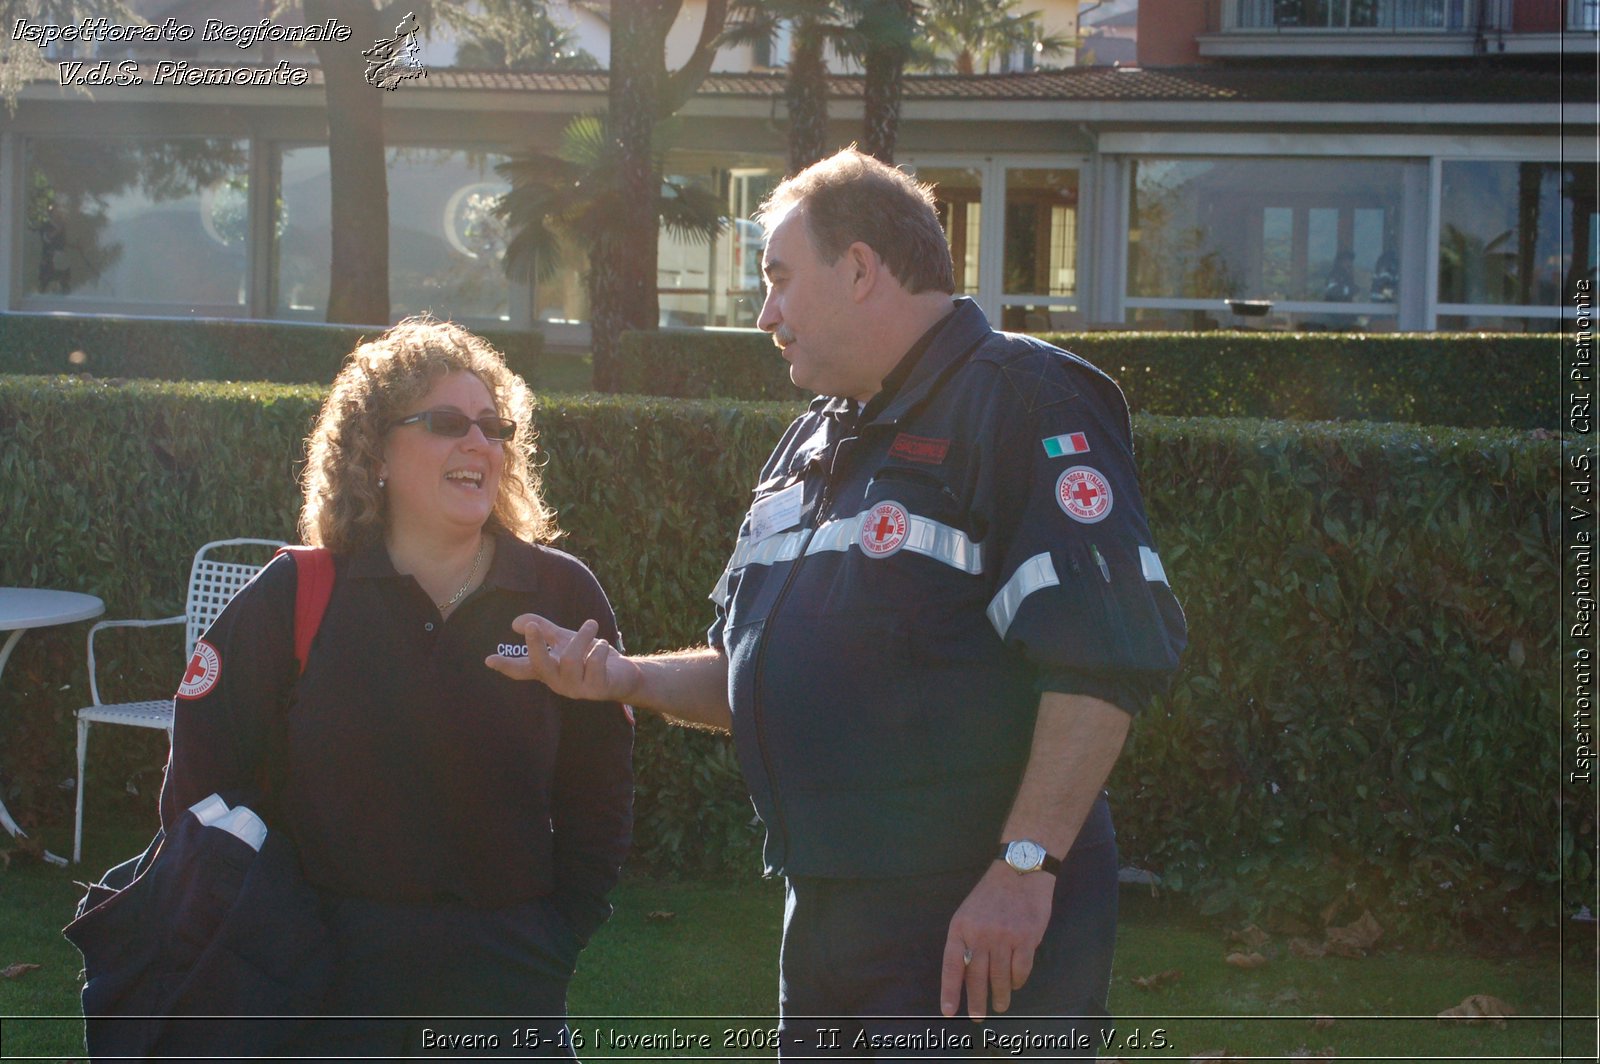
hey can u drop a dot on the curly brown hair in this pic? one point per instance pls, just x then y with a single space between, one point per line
343 509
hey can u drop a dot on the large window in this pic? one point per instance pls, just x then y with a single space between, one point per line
1041 249
958 193
445 243
716 282
161 224
1441 15
1514 235
1309 242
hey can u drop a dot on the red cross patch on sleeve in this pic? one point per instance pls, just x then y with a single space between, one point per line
205 668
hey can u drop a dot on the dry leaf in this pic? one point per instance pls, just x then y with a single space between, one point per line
1246 960
15 970
1287 996
1159 980
1304 1053
1478 1008
1321 1023
660 916
1356 939
1304 947
1331 911
1251 937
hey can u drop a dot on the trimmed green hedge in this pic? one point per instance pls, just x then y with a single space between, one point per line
1466 379
703 364
1366 711
205 349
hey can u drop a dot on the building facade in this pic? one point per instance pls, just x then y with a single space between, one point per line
1328 164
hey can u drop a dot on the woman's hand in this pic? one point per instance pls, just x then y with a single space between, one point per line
572 664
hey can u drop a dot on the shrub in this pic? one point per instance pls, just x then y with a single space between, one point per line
704 363
207 349
1475 380
1364 713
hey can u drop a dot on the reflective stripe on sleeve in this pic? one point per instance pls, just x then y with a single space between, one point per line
943 543
1150 562
1035 574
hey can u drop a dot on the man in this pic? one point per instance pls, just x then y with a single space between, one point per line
942 610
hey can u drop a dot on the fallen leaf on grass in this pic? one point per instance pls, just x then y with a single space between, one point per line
1287 996
1321 1023
1304 947
1245 960
13 971
1331 911
1157 981
1356 939
1251 937
660 916
1303 1053
1478 1008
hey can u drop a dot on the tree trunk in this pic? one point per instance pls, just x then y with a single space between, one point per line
885 78
622 275
358 275
806 93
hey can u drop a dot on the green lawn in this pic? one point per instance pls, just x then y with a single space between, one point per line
697 959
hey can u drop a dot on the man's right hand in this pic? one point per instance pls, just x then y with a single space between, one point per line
572 664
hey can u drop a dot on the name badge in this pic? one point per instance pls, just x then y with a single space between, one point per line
776 512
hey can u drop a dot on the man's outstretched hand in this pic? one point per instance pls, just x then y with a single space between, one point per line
572 664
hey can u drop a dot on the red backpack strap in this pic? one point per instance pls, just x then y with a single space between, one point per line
313 588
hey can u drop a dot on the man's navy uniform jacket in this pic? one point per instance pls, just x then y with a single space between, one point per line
911 578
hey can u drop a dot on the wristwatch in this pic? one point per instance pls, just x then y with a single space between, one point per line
1025 855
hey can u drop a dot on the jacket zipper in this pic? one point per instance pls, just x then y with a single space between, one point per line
761 655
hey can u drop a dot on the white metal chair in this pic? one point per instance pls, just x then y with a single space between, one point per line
212 583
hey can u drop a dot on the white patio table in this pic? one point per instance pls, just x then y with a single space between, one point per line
22 608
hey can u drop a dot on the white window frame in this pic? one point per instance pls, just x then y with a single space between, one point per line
1417 311
1436 309
15 181
992 170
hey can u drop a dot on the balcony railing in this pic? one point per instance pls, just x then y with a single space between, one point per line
1354 16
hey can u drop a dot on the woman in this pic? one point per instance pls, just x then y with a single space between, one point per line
462 829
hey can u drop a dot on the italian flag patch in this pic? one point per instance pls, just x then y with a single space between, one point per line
1061 446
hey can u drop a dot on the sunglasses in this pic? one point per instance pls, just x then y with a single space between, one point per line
456 425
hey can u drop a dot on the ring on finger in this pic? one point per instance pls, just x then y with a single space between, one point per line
966 957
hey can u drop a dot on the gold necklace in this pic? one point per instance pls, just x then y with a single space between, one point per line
476 558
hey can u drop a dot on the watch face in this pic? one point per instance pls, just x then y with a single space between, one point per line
1024 855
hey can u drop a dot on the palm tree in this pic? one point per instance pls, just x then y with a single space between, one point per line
516 35
887 29
977 32
576 200
24 61
814 25
358 177
640 93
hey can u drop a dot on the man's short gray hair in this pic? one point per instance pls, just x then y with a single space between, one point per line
851 196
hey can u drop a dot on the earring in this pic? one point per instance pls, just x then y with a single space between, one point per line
381 483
